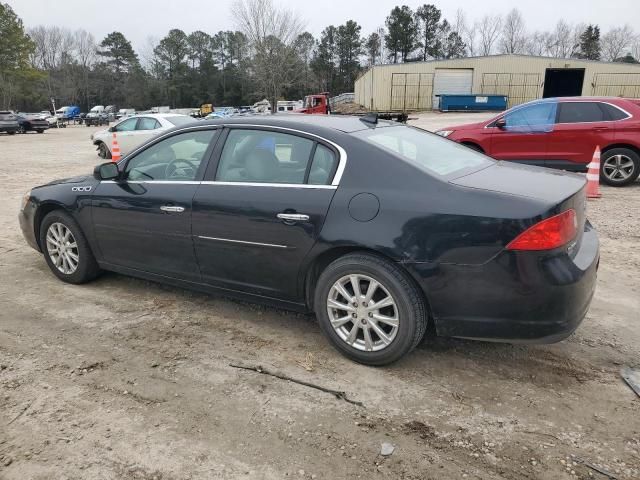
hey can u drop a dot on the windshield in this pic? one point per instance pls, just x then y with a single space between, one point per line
429 152
179 120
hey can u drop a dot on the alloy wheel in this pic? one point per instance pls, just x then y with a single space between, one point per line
62 248
618 168
363 313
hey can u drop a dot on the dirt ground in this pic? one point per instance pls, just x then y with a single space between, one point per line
126 379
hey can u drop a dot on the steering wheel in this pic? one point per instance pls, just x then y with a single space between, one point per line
174 170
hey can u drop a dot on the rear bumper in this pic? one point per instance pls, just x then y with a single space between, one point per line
517 297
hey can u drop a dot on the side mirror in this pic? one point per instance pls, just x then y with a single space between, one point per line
106 171
501 123
112 129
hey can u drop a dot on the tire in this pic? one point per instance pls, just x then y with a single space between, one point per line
103 151
86 267
619 167
40 131
409 309
11 133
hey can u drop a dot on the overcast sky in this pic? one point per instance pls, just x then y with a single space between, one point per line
140 19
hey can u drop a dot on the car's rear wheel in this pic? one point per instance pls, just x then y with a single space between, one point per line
370 310
619 167
66 249
103 151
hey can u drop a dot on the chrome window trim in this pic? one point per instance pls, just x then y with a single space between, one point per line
238 184
342 160
342 154
244 242
278 185
628 114
161 182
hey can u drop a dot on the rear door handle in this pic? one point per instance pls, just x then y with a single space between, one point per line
172 209
293 217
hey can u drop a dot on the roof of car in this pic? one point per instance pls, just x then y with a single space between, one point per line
342 123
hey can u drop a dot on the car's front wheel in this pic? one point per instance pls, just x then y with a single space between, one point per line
619 167
370 310
66 249
103 151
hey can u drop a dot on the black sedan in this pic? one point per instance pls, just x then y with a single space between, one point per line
32 122
377 227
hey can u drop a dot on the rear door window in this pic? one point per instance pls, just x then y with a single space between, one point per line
581 112
147 123
263 156
614 113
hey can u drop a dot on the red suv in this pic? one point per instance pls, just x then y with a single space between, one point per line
562 133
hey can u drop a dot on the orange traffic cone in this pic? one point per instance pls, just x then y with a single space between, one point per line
115 149
593 175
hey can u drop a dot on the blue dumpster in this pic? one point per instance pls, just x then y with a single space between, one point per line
472 103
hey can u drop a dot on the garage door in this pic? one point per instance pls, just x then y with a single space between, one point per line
451 81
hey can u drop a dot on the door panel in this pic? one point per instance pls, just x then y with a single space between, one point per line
526 134
241 244
581 127
144 220
262 173
133 231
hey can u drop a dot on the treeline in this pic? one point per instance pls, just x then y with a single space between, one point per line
186 69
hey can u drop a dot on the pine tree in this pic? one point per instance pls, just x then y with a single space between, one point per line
590 43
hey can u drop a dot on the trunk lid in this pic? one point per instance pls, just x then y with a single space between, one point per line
553 190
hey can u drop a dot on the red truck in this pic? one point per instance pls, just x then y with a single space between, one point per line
319 104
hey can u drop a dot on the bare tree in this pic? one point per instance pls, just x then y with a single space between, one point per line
469 35
616 42
539 44
489 31
513 33
460 27
271 32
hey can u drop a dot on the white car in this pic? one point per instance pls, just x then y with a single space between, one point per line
134 131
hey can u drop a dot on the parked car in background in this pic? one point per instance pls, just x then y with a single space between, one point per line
96 119
134 131
9 122
32 122
562 133
378 227
125 113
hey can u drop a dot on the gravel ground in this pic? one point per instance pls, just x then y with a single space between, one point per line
126 379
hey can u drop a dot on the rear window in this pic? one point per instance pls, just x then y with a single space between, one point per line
7 116
179 120
428 152
581 112
614 113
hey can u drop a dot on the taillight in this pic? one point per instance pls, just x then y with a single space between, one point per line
551 233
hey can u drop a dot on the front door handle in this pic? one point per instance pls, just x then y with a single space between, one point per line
172 209
293 217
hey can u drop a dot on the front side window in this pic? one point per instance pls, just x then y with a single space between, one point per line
581 112
428 152
146 123
175 158
126 126
262 156
539 115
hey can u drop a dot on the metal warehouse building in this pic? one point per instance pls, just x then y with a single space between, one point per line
416 86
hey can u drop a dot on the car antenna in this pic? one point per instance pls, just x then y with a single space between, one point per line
370 118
